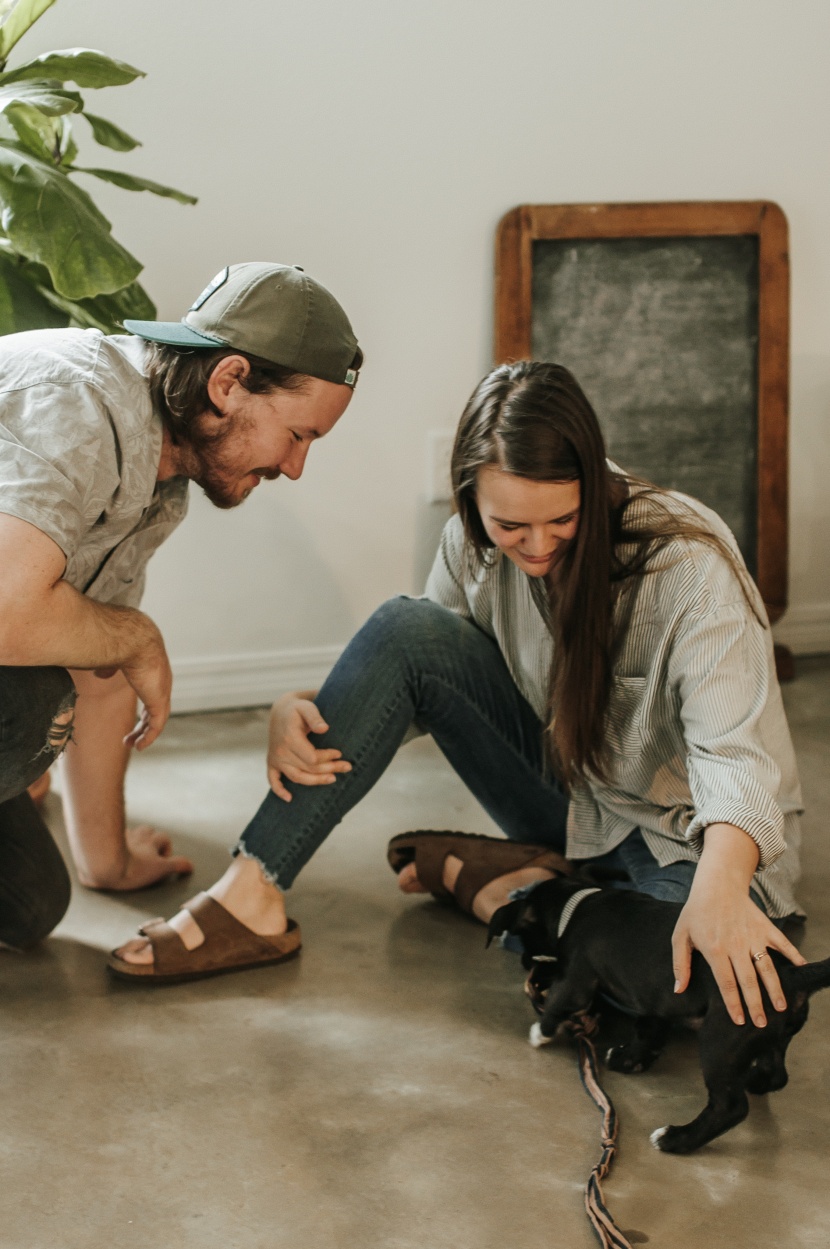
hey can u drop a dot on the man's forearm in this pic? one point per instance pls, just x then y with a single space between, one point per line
44 621
64 628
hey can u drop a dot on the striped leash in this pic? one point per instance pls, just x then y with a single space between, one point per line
583 1027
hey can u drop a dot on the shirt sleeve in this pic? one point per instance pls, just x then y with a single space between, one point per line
721 670
58 459
445 584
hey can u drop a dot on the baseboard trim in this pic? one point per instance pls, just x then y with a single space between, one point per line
222 682
805 629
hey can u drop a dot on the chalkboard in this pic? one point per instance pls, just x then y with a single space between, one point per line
674 319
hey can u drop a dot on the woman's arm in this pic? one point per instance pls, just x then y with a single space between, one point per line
724 924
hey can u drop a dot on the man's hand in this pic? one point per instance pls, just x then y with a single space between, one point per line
149 859
724 924
291 754
152 679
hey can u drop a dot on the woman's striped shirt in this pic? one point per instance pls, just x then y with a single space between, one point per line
696 726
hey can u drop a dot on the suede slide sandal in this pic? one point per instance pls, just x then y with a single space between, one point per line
483 858
228 946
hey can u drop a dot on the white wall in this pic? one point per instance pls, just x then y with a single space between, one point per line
377 143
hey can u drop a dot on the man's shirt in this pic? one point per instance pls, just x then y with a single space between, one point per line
80 444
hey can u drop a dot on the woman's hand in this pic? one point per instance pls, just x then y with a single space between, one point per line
290 753
724 924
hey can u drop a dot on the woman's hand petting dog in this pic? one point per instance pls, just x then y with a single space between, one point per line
724 924
291 754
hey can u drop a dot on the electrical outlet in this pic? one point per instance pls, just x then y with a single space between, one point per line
439 452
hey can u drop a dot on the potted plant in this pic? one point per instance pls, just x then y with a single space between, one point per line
59 263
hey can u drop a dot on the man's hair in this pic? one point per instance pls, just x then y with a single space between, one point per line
179 377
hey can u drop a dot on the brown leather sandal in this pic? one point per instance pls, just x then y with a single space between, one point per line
483 858
228 946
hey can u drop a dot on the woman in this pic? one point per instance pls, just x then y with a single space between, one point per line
594 661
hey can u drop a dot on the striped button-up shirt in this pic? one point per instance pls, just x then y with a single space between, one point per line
696 728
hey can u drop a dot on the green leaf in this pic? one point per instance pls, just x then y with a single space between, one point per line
69 148
104 312
50 219
47 138
23 306
109 135
130 183
48 98
38 135
84 66
132 302
17 17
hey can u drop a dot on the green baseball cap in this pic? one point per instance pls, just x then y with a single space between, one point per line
273 311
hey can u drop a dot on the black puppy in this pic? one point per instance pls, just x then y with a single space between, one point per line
618 942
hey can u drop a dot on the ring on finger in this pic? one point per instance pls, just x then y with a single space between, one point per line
756 958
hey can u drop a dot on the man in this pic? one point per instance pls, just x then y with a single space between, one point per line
99 438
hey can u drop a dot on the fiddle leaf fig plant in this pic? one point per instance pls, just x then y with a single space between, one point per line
59 262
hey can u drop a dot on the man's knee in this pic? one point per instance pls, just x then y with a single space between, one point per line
37 710
26 920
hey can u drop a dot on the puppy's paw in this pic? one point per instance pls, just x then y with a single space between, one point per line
537 1037
674 1140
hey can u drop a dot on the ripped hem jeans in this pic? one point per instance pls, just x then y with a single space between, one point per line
417 662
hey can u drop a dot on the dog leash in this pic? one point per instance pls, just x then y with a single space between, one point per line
583 1027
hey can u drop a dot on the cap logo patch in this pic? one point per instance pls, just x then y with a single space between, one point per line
220 280
351 377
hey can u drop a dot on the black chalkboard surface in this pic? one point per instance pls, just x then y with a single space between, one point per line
662 335
675 320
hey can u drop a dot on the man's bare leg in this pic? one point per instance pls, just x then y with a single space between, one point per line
93 767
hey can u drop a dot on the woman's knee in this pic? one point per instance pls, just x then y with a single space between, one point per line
418 628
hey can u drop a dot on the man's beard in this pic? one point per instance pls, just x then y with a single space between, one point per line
211 466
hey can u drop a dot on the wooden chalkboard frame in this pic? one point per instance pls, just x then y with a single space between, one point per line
522 226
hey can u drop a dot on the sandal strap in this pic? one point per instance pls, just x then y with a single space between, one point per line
485 866
483 859
168 948
226 940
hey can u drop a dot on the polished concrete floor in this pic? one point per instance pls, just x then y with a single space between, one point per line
379 1092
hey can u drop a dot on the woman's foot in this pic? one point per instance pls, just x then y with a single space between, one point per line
489 898
243 891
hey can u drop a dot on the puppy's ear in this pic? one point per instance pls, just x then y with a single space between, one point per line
505 919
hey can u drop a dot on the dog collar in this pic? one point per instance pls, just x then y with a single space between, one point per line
569 908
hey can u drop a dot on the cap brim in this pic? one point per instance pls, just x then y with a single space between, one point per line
175 333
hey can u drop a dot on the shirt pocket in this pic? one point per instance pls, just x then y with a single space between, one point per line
623 726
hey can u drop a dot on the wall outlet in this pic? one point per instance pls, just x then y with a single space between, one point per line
439 451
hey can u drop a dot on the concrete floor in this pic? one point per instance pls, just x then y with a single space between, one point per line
380 1091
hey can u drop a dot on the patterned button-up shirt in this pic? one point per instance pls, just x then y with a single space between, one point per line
80 444
696 726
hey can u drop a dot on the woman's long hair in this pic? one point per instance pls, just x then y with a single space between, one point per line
533 420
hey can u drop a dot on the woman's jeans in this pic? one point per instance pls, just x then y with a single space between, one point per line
34 883
416 662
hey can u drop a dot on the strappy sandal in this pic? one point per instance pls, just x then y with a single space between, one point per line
228 946
483 859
